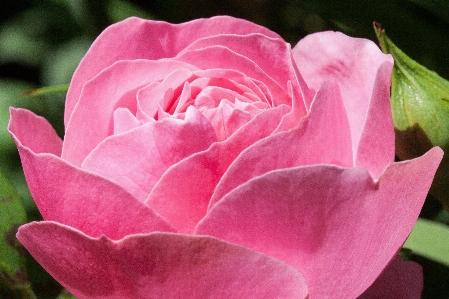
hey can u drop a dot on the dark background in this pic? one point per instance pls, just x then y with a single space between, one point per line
41 42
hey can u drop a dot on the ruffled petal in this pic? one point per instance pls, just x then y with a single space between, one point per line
157 266
272 55
219 56
225 118
400 279
351 62
183 193
162 95
331 223
114 87
323 137
136 38
69 195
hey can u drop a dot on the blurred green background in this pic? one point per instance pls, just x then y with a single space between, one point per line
41 43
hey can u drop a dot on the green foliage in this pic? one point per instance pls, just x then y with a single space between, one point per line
12 254
431 240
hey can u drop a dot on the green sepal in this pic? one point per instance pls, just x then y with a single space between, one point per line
420 108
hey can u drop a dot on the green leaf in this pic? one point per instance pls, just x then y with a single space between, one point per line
431 240
420 108
12 254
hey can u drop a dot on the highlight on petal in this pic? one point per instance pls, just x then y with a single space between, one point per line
376 147
351 62
331 223
322 137
158 265
34 132
136 38
77 198
124 121
401 279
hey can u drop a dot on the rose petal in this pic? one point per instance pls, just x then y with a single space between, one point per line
136 38
230 79
114 87
69 195
124 121
184 191
157 266
331 223
152 96
25 126
137 159
400 279
297 112
351 62
221 57
272 55
225 119
376 147
323 137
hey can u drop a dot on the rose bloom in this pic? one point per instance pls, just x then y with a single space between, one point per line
210 159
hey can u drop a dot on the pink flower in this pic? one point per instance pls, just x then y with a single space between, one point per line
210 160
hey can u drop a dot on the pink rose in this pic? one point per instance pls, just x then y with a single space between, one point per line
210 160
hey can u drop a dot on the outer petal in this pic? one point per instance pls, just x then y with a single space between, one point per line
330 223
376 147
323 137
352 62
74 197
135 38
114 87
157 266
183 193
26 126
400 279
137 159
